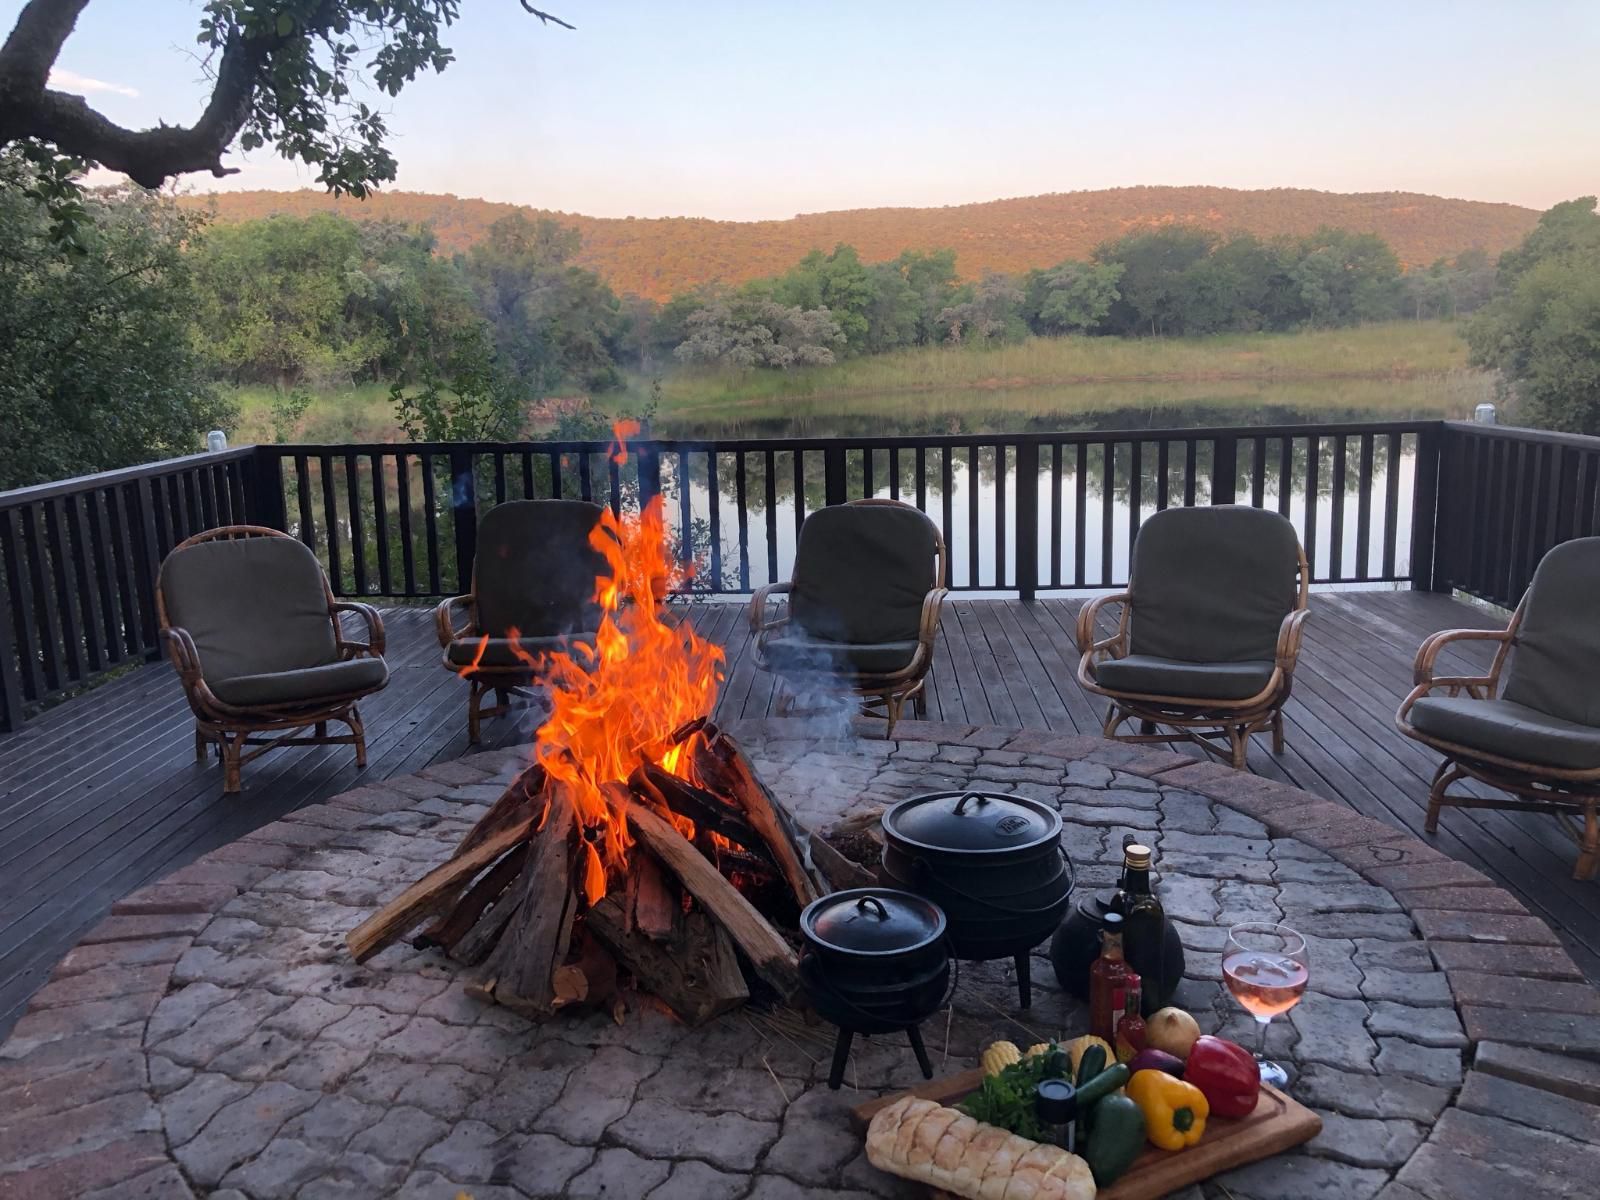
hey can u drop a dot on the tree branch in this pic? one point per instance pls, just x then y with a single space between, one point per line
547 18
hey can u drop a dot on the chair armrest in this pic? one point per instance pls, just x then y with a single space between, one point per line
375 643
1289 634
185 656
932 606
1090 613
443 622
758 607
1434 644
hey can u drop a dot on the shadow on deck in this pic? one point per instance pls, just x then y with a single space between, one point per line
102 794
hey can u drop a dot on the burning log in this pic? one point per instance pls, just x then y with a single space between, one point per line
640 847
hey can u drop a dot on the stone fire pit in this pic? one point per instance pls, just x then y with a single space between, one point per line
213 1038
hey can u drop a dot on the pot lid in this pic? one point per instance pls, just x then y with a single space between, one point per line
972 822
873 921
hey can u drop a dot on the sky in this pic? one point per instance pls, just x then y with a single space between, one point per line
761 109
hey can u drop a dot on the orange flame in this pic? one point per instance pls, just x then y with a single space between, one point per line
616 706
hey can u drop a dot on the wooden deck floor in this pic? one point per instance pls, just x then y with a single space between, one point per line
102 795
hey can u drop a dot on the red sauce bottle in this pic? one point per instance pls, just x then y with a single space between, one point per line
1110 981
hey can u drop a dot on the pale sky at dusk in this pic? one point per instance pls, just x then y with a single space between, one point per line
761 109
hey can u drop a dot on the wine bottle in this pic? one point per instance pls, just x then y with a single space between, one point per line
1144 923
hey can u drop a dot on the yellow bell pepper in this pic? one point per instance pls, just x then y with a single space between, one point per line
1174 1111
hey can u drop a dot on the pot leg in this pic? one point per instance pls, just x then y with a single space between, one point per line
1024 980
921 1051
841 1054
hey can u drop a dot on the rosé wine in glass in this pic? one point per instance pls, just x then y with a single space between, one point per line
1266 968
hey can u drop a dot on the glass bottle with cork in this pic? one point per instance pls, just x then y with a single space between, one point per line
1144 921
1111 980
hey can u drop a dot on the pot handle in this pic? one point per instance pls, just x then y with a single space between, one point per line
962 803
921 868
874 905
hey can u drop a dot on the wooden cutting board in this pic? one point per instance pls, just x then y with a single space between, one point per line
1277 1124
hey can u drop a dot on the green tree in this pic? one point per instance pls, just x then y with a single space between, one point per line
97 366
1345 278
837 282
1155 294
287 73
754 331
1071 297
931 275
1542 329
993 314
894 315
552 322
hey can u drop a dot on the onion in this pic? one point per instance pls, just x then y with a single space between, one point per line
1172 1030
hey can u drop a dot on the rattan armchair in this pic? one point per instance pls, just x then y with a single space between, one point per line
1208 632
533 592
1530 725
863 608
254 631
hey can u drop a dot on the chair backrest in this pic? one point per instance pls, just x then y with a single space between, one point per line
862 571
535 569
253 603
1213 584
1555 667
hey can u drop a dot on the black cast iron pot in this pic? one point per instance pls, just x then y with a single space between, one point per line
994 863
875 960
1077 944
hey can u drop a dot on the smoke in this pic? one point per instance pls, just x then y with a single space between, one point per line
812 679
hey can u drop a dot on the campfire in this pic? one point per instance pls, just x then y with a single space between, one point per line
638 847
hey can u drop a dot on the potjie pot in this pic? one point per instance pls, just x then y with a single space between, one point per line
1076 945
875 960
993 863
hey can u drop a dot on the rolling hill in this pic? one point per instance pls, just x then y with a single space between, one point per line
659 257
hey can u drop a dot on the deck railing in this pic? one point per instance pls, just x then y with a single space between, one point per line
1021 513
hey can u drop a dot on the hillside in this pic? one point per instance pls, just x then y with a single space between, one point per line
658 257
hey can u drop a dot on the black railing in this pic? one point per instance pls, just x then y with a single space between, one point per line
1021 513
1506 497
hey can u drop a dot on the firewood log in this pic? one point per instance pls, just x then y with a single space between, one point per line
724 770
694 971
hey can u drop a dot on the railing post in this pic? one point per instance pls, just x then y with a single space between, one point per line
1429 518
1224 468
1027 519
264 503
649 473
10 669
834 487
464 514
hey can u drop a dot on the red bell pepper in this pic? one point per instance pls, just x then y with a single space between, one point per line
1226 1073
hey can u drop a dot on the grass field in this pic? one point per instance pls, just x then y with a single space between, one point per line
1401 368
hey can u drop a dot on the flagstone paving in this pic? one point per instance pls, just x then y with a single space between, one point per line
213 1037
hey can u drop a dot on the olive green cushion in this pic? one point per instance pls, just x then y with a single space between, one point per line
254 606
356 676
1555 668
1212 585
1510 730
1151 676
535 569
862 572
498 652
796 654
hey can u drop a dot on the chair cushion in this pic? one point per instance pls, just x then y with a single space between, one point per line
1510 730
254 606
1151 676
862 572
1213 584
1555 667
794 653
308 684
535 568
498 652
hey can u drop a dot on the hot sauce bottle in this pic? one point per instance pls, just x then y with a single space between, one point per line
1130 1037
1111 979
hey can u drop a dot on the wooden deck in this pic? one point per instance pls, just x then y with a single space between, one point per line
102 794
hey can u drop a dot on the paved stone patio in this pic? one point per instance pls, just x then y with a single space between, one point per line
213 1038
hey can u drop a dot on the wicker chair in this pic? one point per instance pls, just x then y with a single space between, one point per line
1538 739
254 631
1208 633
532 592
863 607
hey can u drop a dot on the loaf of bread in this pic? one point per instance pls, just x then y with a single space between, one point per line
920 1140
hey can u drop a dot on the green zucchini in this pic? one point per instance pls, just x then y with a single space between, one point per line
1116 1139
1090 1065
1102 1085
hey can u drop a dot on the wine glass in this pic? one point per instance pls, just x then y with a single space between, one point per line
1266 967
